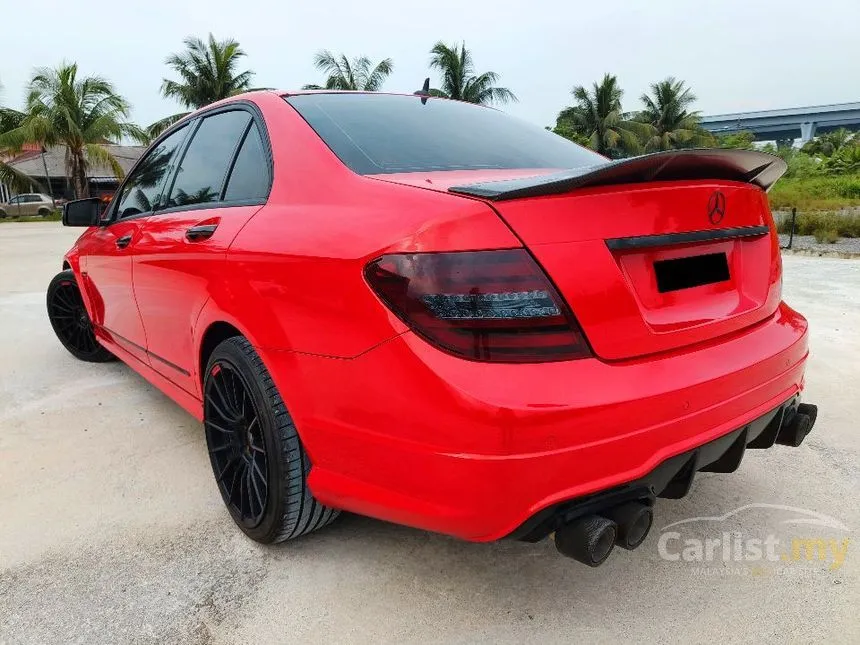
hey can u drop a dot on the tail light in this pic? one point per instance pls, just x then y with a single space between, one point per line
481 305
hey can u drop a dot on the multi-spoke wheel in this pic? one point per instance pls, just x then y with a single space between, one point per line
71 322
258 460
236 444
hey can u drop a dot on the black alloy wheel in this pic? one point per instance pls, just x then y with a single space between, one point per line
257 456
71 322
236 443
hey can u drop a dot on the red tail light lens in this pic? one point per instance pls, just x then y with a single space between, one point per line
481 305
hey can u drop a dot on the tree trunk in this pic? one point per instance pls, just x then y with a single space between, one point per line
77 170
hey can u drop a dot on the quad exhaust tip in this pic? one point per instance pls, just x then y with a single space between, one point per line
794 430
591 538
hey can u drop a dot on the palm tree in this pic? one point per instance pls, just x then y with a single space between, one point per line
357 74
10 120
207 72
597 115
829 143
666 109
81 114
459 80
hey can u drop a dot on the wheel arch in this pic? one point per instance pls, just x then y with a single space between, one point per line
216 333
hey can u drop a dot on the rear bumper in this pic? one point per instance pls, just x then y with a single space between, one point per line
408 434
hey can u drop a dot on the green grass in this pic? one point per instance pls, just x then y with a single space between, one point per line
56 216
821 224
816 193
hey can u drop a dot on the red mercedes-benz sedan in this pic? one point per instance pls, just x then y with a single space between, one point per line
431 313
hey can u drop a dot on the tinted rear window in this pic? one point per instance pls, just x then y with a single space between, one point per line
383 133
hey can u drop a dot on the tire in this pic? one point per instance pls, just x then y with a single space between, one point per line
250 433
2 214
71 321
44 212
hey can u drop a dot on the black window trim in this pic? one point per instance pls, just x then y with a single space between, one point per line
194 125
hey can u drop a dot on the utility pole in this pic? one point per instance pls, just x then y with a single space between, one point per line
48 180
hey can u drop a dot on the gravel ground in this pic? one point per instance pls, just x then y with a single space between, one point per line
112 529
849 246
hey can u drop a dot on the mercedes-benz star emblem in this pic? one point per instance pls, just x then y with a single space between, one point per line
717 207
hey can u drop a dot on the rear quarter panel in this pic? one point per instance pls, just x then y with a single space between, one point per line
294 274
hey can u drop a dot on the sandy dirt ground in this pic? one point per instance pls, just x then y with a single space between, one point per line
112 530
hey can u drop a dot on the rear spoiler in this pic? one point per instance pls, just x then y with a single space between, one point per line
750 166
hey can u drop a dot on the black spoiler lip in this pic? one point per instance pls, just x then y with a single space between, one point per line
750 166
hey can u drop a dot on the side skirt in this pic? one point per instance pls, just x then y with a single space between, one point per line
186 401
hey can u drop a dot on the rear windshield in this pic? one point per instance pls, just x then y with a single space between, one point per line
384 133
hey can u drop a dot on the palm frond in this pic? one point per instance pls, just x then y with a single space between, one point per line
345 74
17 180
99 155
155 129
207 72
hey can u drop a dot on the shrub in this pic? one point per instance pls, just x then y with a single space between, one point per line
844 225
825 235
848 187
816 192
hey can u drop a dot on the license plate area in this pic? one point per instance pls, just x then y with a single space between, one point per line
693 271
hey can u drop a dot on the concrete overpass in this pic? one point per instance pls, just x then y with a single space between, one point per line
785 124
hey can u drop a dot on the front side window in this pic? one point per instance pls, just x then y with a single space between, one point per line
141 191
385 133
203 169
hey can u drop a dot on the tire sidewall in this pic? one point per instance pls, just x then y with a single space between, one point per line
231 354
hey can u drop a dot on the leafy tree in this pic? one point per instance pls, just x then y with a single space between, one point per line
459 80
598 117
83 114
207 73
356 74
667 111
829 143
739 140
566 131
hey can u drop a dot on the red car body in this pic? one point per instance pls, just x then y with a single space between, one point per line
399 429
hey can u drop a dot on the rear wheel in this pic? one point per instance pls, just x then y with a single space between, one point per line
257 458
44 212
71 322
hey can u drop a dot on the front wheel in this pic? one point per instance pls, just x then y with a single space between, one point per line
71 322
259 463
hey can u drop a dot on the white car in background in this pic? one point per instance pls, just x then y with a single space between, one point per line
27 204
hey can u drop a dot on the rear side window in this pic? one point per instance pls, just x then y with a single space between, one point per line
249 179
203 169
384 133
142 188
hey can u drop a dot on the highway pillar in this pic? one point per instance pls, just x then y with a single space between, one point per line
807 131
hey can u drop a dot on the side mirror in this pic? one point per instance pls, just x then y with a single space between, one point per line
82 212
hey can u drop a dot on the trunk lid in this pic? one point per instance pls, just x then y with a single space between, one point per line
650 269
652 253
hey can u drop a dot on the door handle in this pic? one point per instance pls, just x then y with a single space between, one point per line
200 232
123 242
